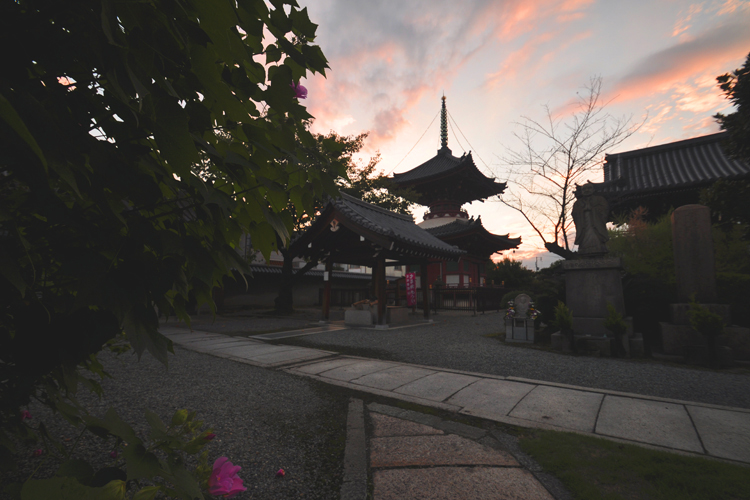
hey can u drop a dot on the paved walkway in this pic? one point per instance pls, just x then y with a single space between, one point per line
681 426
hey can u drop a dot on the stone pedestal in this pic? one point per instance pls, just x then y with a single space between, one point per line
519 330
590 284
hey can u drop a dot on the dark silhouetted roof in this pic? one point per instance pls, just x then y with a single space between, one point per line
369 230
471 235
693 162
445 171
315 273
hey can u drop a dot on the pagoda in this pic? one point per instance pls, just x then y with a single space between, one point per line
444 183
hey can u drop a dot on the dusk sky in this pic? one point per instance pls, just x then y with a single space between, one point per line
497 61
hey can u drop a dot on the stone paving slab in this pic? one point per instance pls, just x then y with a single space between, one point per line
383 425
451 483
213 344
449 449
437 387
653 422
393 378
725 434
186 338
354 371
562 407
497 397
288 356
324 366
252 350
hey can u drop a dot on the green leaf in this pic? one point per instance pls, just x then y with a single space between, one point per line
140 462
179 417
147 493
173 138
301 22
56 488
155 422
10 270
9 114
78 469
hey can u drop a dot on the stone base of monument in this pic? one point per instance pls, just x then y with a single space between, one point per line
636 346
602 344
698 355
676 338
519 330
397 315
354 317
591 284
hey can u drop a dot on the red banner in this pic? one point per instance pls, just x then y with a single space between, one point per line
411 289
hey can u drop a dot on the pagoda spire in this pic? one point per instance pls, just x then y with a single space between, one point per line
444 126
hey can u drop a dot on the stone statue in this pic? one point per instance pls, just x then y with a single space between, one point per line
590 213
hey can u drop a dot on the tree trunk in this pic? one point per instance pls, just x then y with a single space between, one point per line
284 302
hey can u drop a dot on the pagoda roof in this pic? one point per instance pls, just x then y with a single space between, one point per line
471 235
668 171
366 232
458 174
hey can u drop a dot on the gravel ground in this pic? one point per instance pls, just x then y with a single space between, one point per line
459 342
264 420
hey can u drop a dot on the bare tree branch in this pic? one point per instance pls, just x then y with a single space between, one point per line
554 156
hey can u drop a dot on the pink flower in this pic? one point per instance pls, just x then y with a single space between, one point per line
113 454
280 473
224 480
25 415
37 453
300 92
209 436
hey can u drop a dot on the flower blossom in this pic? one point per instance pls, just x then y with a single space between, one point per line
113 454
300 92
224 480
209 436
280 473
37 453
25 415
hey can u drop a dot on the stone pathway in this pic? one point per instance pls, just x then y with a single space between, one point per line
687 427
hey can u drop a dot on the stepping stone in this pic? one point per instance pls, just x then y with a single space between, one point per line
324 366
389 426
561 407
449 449
652 422
437 387
393 378
491 398
724 433
356 370
451 483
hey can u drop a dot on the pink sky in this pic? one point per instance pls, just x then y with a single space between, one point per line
497 61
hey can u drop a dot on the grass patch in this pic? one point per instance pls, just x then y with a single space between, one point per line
594 468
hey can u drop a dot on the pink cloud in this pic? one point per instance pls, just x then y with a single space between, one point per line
715 49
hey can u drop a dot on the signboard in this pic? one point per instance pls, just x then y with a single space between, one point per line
411 289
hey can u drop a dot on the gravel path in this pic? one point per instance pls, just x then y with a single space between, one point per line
264 420
459 342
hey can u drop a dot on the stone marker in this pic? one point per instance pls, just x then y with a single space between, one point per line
694 253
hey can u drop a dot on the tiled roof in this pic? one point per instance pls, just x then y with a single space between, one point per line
443 162
316 273
463 226
394 226
442 165
682 164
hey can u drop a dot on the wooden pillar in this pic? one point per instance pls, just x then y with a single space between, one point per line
425 289
381 290
327 289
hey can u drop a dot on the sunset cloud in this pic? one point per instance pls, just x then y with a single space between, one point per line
712 49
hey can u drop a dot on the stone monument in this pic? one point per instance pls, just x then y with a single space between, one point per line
696 277
594 279
520 327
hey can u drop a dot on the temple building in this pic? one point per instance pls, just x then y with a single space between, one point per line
444 183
